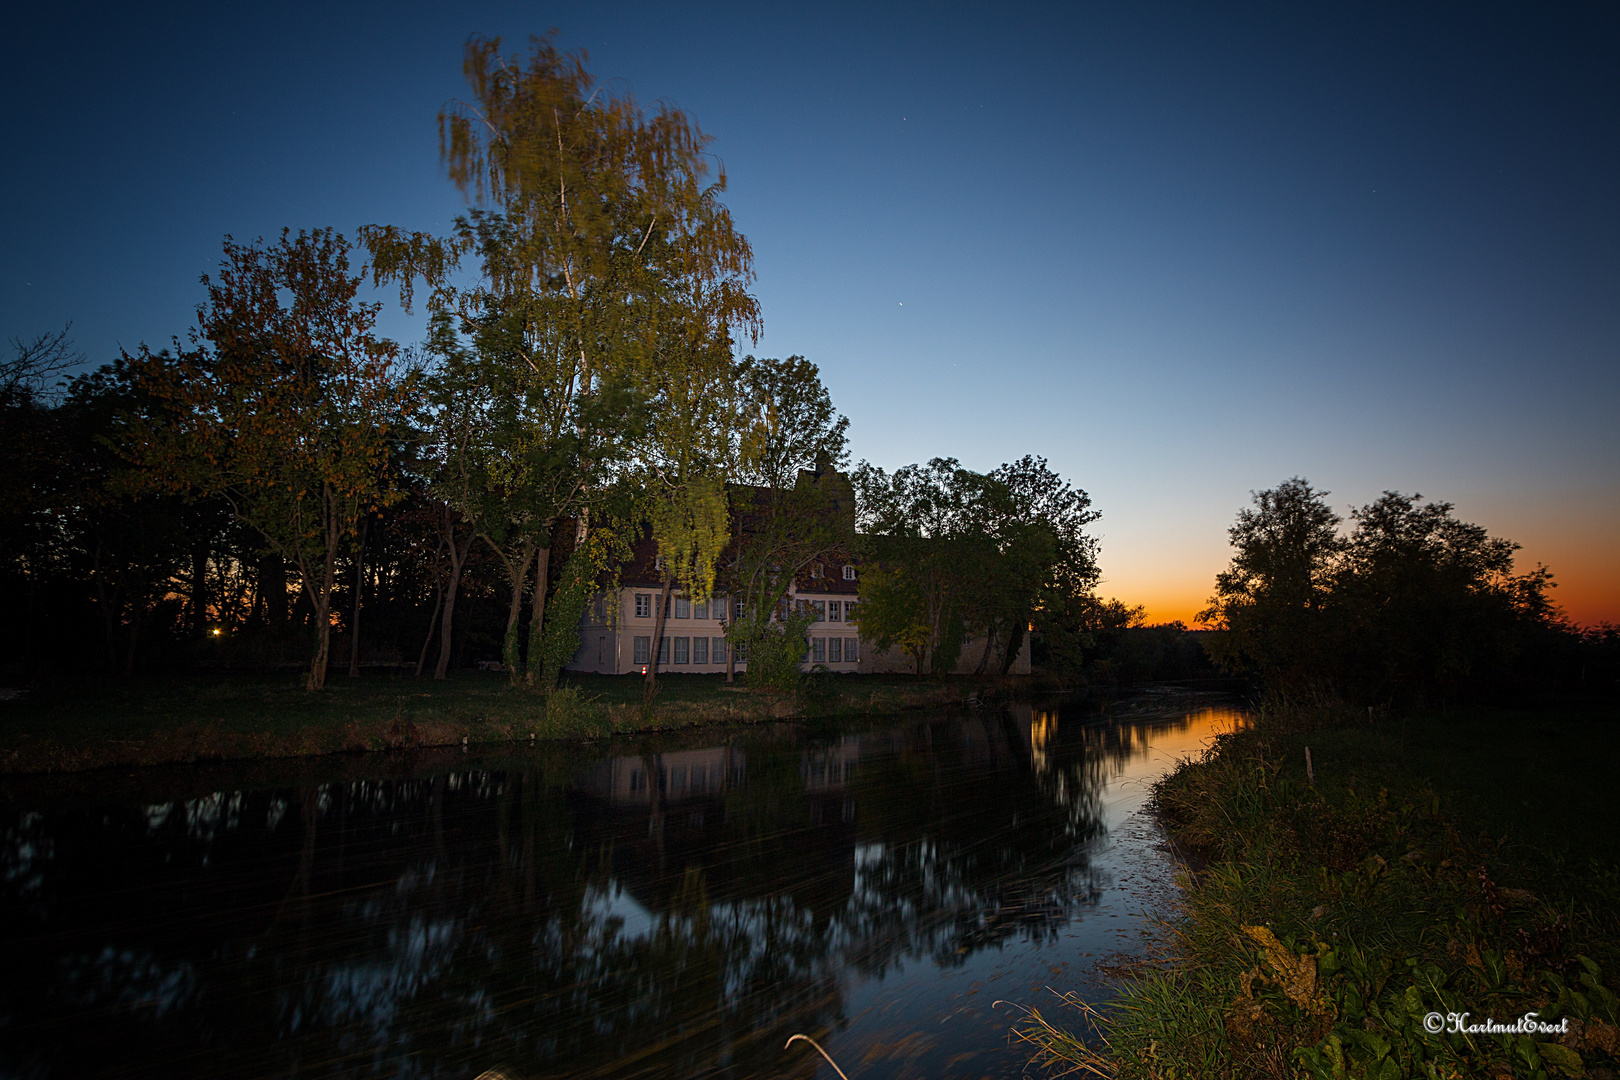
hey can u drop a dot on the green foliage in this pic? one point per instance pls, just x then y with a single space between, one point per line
691 527
560 636
982 554
894 611
776 654
572 714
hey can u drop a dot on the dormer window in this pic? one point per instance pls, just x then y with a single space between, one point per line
658 562
849 573
815 571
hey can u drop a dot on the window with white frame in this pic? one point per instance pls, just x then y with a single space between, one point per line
849 573
643 607
852 650
642 648
820 608
683 650
700 610
835 611
658 562
663 650
717 647
818 650
835 650
683 608
815 570
700 650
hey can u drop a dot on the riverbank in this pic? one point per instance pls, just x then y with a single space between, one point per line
72 727
1448 863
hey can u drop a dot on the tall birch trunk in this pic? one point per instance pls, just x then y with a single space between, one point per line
537 612
458 559
658 632
359 589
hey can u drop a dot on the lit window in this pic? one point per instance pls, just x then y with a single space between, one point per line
835 650
835 611
852 650
683 650
683 608
700 650
818 650
849 573
643 607
643 647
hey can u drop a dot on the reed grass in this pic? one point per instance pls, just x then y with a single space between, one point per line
1333 915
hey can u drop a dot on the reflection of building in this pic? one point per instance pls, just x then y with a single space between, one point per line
679 775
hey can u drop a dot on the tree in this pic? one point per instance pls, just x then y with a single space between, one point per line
980 552
921 520
287 405
1045 557
1269 602
608 263
894 610
1423 602
792 509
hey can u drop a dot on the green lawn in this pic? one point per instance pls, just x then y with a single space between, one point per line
86 724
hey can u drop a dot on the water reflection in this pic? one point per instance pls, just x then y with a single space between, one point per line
670 911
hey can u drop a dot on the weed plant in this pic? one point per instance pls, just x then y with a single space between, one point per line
1337 911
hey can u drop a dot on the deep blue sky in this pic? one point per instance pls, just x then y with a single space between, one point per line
1182 252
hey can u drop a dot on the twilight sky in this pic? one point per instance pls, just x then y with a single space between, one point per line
1182 253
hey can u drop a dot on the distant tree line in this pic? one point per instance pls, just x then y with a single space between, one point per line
284 484
1409 604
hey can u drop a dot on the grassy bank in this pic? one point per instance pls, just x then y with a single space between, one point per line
76 726
1454 862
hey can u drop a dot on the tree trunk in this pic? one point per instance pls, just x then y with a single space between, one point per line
273 587
199 590
731 652
517 574
537 611
1015 644
320 601
989 647
137 608
359 590
658 633
458 559
433 623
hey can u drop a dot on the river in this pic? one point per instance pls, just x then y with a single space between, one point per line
671 907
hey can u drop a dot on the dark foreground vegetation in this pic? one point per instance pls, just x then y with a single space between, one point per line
1458 861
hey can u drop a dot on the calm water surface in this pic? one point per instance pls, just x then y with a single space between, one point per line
658 909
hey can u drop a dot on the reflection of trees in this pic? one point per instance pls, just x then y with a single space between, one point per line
552 919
